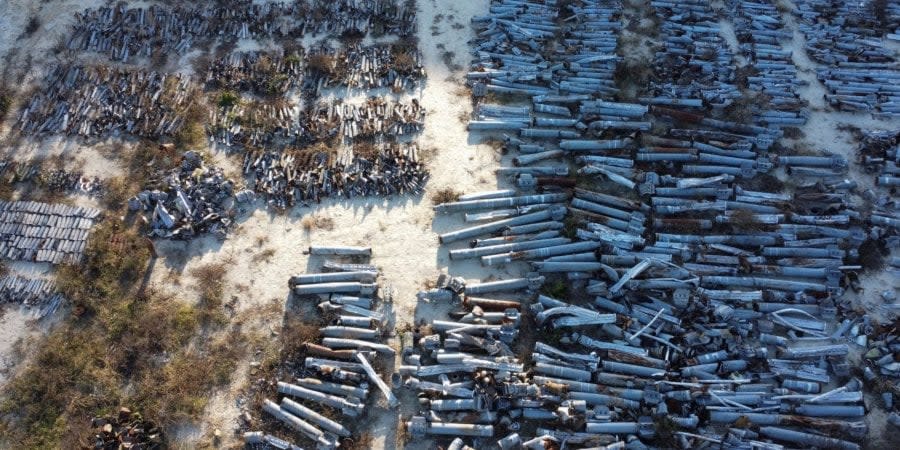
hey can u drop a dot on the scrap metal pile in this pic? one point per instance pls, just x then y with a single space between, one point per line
773 73
125 430
35 293
44 232
288 178
337 371
859 71
100 101
725 320
197 199
125 33
468 376
879 153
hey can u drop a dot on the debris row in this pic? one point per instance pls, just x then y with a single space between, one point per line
288 178
100 101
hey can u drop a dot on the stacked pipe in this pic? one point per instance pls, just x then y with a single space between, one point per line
338 369
44 232
464 369
860 72
694 66
759 28
503 66
288 178
528 228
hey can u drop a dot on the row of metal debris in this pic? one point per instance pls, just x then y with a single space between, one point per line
336 372
285 179
847 38
375 66
99 101
254 124
395 66
56 180
37 293
196 199
43 232
126 33
262 73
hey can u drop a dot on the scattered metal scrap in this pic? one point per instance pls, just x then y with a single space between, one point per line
43 232
126 430
197 199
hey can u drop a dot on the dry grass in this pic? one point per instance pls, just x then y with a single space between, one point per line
743 220
6 98
317 222
366 150
192 133
321 63
115 193
403 435
210 287
445 195
405 62
264 255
